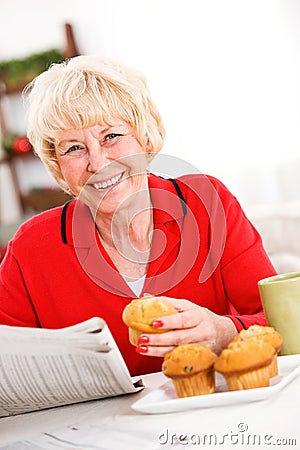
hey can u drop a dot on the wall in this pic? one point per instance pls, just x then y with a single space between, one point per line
225 75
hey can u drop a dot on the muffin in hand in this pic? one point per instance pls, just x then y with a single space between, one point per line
191 369
140 313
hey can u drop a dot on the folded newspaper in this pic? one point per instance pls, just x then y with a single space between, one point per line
42 368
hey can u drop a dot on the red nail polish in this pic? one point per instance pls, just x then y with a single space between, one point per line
142 349
143 340
157 324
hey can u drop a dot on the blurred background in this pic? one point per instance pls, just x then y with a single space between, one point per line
225 75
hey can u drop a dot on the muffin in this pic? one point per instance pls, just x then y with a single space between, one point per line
246 364
140 313
266 334
191 368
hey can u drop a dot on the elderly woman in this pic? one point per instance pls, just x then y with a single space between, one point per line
126 232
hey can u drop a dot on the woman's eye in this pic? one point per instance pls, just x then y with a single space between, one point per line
74 148
111 136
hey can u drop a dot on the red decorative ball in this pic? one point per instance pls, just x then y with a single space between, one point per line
21 145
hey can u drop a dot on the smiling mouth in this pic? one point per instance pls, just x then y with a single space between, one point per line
108 183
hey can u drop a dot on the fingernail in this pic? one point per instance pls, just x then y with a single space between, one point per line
157 323
143 340
142 349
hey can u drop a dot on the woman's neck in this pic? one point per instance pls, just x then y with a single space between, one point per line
129 230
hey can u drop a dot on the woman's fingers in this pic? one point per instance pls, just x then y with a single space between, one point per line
188 326
158 344
175 337
153 351
180 304
177 321
188 318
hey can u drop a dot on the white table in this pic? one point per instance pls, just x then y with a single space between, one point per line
111 424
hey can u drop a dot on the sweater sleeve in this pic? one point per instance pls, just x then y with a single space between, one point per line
15 304
244 263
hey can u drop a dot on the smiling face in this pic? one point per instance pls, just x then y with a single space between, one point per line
82 92
103 165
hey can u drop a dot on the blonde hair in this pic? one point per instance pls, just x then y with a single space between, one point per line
85 91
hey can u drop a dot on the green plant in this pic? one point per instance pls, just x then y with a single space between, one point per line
16 73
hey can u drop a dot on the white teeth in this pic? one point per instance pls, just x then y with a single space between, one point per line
107 183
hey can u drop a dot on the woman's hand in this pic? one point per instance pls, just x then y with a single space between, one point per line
193 325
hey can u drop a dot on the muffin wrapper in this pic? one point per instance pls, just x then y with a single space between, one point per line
198 384
274 367
248 380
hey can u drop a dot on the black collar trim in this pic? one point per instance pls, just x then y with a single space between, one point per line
63 220
180 195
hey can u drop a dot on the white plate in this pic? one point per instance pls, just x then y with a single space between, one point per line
165 400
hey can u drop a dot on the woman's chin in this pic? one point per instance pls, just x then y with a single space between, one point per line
105 201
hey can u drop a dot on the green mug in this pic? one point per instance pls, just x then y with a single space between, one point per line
280 296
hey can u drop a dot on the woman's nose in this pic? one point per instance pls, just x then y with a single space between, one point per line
97 159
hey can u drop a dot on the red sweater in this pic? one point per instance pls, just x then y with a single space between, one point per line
56 273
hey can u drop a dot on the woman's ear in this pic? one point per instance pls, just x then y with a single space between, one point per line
146 142
146 145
